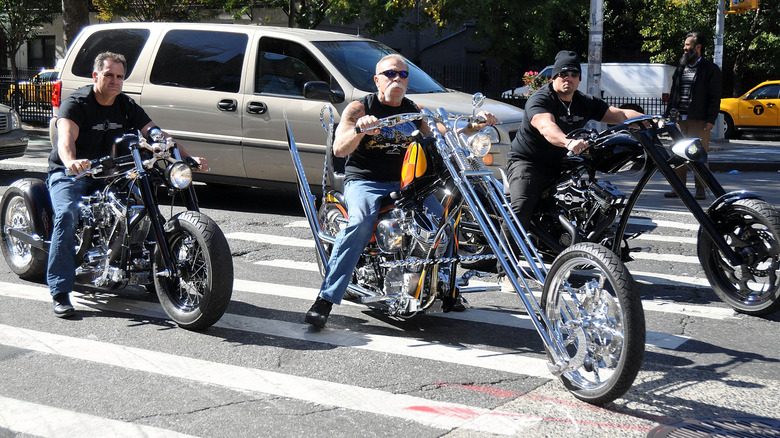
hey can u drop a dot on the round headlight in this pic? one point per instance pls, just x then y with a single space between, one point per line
179 175
479 144
691 149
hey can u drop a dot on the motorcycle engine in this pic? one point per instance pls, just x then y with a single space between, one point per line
588 204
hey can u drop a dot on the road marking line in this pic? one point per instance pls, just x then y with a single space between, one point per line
660 238
510 362
272 239
665 257
442 415
47 421
663 224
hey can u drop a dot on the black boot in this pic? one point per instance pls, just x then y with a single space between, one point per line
318 314
62 306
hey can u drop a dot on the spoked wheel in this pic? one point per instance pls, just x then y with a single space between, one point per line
199 296
26 261
751 227
595 310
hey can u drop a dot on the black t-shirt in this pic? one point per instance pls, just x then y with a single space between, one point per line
99 126
530 145
380 157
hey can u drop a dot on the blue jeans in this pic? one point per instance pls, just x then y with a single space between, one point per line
65 196
363 199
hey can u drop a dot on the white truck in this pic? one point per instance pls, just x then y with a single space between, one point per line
641 86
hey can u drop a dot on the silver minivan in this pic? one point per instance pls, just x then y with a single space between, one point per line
223 89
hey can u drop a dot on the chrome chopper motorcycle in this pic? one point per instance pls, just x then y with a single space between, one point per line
738 242
590 317
122 237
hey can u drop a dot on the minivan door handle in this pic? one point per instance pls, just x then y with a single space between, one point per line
227 105
256 108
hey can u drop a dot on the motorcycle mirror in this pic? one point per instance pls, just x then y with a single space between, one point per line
476 101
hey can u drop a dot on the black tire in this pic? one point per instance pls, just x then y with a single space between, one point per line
199 298
27 262
608 364
729 131
752 228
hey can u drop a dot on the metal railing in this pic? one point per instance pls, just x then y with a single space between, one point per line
645 105
31 100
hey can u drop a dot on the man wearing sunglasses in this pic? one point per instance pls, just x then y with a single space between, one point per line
540 145
373 171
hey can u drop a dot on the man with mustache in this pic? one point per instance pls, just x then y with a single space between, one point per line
373 171
695 93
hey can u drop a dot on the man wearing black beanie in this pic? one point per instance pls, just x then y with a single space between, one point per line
540 145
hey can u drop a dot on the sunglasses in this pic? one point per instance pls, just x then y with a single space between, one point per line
393 73
569 74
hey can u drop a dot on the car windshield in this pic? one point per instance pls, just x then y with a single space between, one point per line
356 60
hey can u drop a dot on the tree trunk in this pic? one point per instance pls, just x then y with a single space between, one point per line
75 16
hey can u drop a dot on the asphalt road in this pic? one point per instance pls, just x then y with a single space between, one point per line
122 369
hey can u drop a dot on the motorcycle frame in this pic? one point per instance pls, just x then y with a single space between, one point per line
658 162
151 205
465 180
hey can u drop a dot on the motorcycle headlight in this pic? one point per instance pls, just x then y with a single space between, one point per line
479 143
179 175
691 149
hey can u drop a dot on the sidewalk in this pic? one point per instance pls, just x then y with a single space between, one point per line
748 155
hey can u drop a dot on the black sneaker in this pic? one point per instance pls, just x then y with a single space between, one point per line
62 306
318 314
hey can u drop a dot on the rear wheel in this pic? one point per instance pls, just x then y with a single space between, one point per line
751 227
595 310
26 261
197 297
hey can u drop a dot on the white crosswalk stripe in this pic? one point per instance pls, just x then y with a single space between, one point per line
24 417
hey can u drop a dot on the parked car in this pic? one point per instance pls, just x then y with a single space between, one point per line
13 138
223 91
621 82
37 90
756 110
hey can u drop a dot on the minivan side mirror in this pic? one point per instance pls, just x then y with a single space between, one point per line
320 90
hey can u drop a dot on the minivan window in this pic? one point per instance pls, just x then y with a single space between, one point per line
127 42
204 60
356 60
284 66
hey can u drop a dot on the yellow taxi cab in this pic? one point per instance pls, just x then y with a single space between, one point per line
756 110
36 90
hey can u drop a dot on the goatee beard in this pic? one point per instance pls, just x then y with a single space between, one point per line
688 58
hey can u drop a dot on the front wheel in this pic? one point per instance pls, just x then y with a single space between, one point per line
596 315
751 227
198 296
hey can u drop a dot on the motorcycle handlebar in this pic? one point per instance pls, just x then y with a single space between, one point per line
408 117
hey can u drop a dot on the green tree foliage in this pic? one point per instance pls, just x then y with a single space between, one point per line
307 14
20 20
751 41
155 10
